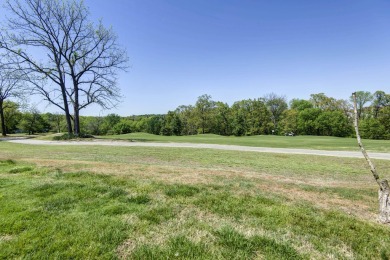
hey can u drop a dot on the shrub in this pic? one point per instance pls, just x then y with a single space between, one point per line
71 136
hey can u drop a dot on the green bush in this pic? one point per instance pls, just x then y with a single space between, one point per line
71 136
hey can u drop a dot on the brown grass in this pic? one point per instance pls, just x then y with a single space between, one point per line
268 183
4 238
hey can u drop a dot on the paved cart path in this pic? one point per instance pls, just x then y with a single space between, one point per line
351 154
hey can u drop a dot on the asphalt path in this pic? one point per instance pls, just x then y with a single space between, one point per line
350 154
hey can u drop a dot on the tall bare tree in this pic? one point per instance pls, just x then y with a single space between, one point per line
10 86
71 61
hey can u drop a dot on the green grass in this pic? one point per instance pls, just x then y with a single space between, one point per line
163 203
309 142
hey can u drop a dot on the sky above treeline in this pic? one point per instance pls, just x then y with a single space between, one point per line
240 49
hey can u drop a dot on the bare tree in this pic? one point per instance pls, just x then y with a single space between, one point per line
384 189
82 58
10 86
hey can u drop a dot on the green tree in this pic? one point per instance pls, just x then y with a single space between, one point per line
141 124
203 109
289 122
333 123
380 100
154 125
93 125
189 119
56 121
362 98
32 122
259 117
238 124
276 106
371 128
109 121
124 126
172 124
300 104
250 117
307 121
12 116
10 87
322 101
384 120
222 119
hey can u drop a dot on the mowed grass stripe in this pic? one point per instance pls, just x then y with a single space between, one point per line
304 142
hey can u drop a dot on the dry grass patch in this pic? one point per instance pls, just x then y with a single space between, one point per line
5 238
200 226
274 184
158 211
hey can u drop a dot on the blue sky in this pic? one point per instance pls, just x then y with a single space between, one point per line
243 49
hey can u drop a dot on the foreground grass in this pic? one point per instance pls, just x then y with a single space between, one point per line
308 142
160 203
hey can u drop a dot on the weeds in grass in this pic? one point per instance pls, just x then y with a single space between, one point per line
7 162
181 190
139 199
20 169
157 215
240 247
178 247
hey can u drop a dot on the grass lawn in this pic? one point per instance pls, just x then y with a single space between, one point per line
159 203
309 142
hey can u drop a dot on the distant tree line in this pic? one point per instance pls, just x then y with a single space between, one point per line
272 114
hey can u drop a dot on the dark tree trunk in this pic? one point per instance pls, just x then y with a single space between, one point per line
76 121
66 109
76 107
3 128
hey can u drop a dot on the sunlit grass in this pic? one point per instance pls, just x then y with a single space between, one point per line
160 203
308 142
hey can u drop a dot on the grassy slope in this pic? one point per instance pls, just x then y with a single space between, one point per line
310 142
159 203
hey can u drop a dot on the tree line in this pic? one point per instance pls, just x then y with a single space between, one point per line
272 114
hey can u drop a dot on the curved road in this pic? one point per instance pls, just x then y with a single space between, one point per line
351 154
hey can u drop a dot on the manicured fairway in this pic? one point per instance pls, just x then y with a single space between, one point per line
310 142
159 203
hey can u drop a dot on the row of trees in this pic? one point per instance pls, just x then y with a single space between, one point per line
272 114
320 115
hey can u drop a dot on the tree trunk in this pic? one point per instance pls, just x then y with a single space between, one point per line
76 118
3 128
76 121
66 109
384 202
384 189
68 120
